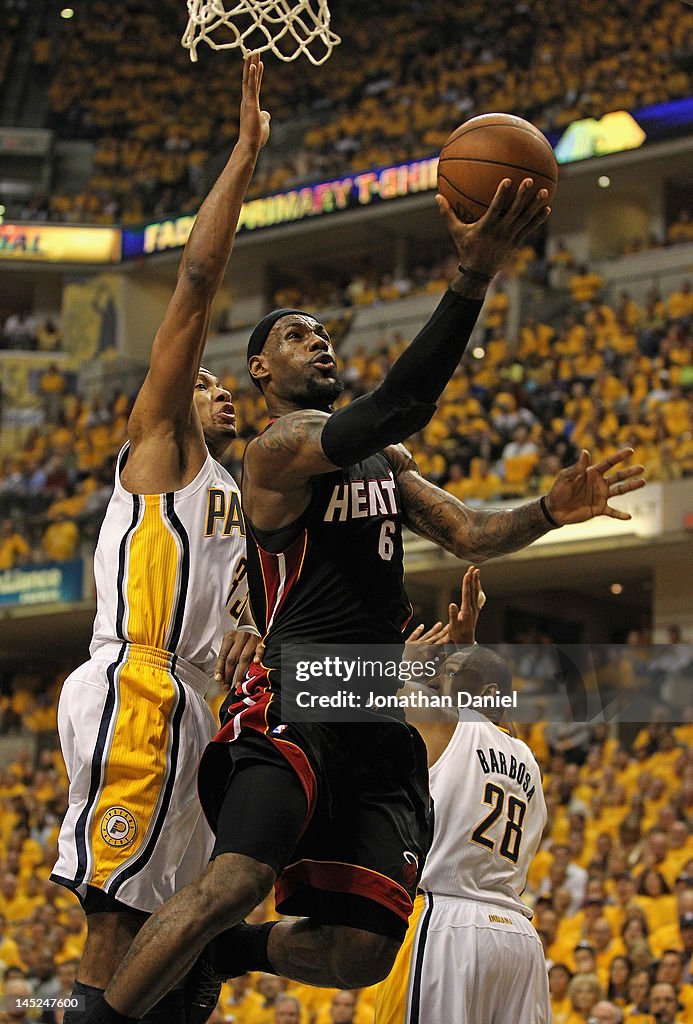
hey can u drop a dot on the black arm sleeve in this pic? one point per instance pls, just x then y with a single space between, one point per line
405 401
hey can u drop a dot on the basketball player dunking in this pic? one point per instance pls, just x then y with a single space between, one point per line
171 555
337 815
471 955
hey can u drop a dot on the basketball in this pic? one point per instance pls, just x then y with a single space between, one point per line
486 149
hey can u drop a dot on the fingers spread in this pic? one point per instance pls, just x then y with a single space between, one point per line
616 513
624 474
626 487
613 460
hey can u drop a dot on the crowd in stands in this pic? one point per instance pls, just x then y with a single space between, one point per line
515 413
55 488
24 332
611 886
400 81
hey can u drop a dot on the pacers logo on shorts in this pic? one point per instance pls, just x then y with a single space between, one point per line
118 827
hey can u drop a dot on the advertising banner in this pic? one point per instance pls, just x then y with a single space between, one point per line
49 583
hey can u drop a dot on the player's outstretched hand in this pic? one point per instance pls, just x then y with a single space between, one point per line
463 618
238 649
582 491
255 123
485 245
437 634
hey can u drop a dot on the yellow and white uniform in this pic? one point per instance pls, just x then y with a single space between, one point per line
471 954
170 575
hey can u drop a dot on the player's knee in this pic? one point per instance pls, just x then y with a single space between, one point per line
361 958
231 887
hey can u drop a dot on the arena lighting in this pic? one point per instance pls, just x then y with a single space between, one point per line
478 352
67 13
603 181
616 588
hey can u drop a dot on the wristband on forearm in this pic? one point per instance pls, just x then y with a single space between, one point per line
547 515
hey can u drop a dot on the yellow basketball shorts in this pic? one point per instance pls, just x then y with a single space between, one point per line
465 962
133 725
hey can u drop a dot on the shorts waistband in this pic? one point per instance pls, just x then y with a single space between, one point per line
491 905
156 658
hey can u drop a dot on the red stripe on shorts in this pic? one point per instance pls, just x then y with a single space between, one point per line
335 876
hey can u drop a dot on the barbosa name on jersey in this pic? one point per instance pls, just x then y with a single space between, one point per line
495 762
360 499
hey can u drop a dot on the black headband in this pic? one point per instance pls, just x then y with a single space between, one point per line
258 338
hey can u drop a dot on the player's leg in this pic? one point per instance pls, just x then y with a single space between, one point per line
333 956
354 876
270 802
109 935
127 834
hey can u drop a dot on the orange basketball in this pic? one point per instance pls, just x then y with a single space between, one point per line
486 149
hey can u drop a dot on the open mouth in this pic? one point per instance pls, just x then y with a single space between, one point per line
325 363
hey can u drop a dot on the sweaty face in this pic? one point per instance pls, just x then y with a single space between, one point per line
215 409
302 364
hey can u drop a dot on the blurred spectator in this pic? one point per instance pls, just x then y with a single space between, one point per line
681 230
19 331
585 285
17 991
606 1012
638 996
49 337
585 992
61 539
287 1010
52 386
14 549
664 1004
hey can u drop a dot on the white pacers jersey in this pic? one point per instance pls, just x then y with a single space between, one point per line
166 565
489 815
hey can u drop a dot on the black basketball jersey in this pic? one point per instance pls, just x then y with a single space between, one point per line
336 574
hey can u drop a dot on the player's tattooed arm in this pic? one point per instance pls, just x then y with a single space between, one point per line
473 534
579 493
289 451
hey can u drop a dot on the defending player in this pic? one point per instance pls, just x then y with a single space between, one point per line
337 815
471 955
171 555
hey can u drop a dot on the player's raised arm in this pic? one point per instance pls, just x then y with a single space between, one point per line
578 493
166 398
304 443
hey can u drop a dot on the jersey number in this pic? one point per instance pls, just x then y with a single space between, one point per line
512 836
236 610
386 544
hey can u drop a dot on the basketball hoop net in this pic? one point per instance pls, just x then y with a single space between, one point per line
287 28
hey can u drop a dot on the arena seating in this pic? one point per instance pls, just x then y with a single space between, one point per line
156 119
600 377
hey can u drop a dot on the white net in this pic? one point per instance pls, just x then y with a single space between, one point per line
287 28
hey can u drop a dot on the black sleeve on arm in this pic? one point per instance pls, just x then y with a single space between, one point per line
405 401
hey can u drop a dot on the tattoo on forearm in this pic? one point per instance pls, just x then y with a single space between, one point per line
290 433
475 534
